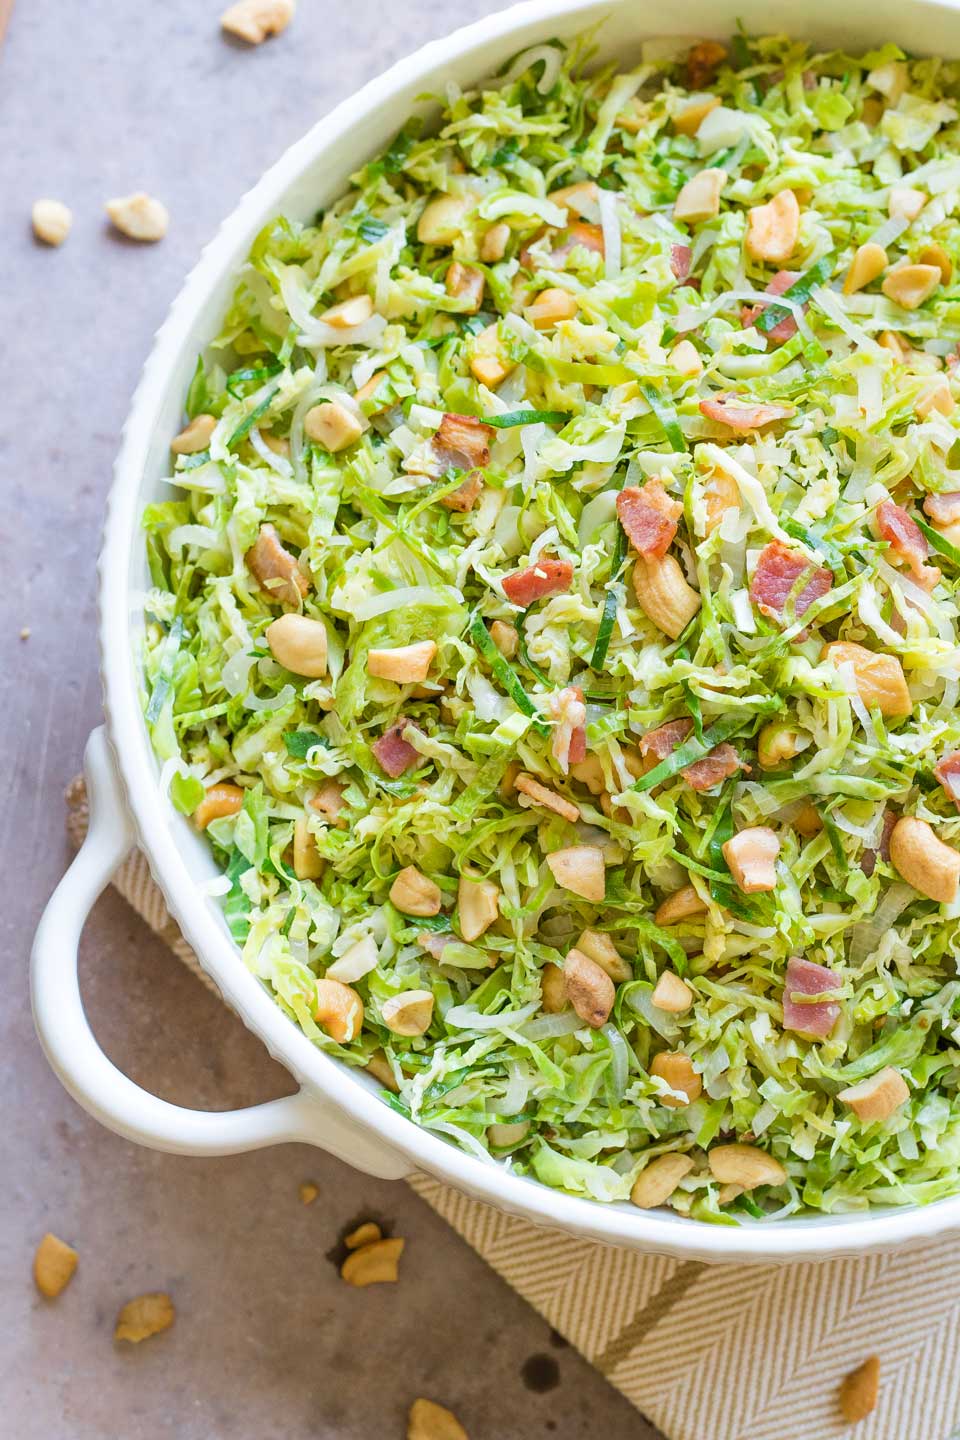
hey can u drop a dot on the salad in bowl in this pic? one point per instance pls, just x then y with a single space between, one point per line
554 624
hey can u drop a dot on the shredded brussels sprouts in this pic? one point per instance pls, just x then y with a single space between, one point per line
555 627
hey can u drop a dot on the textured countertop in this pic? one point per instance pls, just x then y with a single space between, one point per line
98 100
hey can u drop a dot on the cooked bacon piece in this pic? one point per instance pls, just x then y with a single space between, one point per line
649 517
275 569
703 774
908 541
728 410
943 509
782 573
537 582
703 62
329 801
463 442
947 772
806 978
465 496
785 328
569 744
680 257
720 764
393 752
590 237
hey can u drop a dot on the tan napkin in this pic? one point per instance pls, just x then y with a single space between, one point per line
753 1352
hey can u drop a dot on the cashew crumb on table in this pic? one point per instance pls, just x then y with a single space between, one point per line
308 1192
144 1316
254 20
139 216
376 1263
860 1390
51 221
430 1421
53 1266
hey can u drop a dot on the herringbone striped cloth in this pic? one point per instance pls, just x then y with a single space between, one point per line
708 1353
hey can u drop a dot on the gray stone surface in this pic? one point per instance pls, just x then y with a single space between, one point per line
99 99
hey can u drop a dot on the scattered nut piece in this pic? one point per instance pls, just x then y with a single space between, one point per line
773 229
808 821
745 1165
442 220
51 221
879 679
663 594
408 1013
338 1010
676 1068
219 800
145 1316
550 307
53 1266
308 863
405 664
490 364
778 741
553 991
910 285
139 216
494 243
685 359
379 1067
505 638
580 869
752 857
299 644
275 569
681 905
672 994
194 437
332 425
695 110
658 1180
373 1264
348 313
308 1192
600 948
905 202
429 1421
938 397
542 795
414 894
369 390
366 1234
589 989
254 20
478 905
860 1390
878 1097
869 261
700 197
934 254
890 79
465 283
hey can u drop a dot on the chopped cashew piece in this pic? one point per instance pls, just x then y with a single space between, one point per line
367 392
778 741
580 869
773 229
700 197
139 216
939 397
879 679
254 20
478 906
677 1070
219 800
332 425
53 1266
494 243
808 821
905 203
338 1010
466 283
663 594
752 856
413 893
860 1391
366 1234
406 665
299 644
681 905
672 994
548 799
308 864
658 1180
910 285
934 254
408 1013
145 1316
599 947
194 437
589 989
580 199
869 261
348 313
550 307
374 1264
429 1421
924 861
275 569
695 110
505 638
745 1165
489 364
553 991
379 1067
308 1192
442 220
685 359
51 221
877 1098
890 79
356 961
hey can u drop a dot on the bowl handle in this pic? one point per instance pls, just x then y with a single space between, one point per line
93 1080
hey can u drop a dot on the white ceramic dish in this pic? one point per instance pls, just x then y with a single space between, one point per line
337 1108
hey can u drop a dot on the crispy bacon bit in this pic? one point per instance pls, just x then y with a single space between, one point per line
943 509
806 978
785 328
782 574
907 541
728 410
465 496
569 745
394 753
649 517
680 257
720 764
589 237
538 582
947 772
463 442
275 569
329 801
703 774
703 62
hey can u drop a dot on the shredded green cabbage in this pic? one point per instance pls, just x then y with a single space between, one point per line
526 789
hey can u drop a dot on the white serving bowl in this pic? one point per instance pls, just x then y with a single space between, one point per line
337 1107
